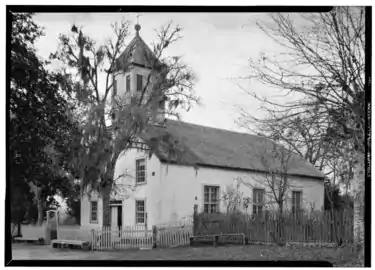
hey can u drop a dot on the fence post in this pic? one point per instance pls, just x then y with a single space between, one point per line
93 240
154 232
146 225
145 240
195 220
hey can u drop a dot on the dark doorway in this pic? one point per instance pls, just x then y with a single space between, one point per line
119 216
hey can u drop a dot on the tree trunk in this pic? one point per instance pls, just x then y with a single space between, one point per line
281 208
279 235
37 192
358 192
40 211
107 179
106 193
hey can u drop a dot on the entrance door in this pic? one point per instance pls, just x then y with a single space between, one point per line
114 218
119 217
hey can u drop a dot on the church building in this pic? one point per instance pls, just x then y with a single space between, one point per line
159 189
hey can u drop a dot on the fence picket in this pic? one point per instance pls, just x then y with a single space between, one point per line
326 227
121 238
174 233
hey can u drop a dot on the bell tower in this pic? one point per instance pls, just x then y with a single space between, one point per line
136 71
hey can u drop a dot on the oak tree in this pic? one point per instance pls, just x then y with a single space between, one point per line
112 124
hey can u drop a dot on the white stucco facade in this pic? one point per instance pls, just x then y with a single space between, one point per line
170 191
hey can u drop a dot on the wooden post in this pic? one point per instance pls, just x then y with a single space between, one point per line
195 220
145 240
154 232
57 223
93 240
146 225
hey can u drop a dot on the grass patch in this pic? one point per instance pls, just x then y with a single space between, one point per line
337 256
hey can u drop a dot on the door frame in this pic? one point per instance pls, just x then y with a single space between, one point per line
118 204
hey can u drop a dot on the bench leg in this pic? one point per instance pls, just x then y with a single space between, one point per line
216 240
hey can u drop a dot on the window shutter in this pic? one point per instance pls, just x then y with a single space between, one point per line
296 201
127 83
139 82
114 87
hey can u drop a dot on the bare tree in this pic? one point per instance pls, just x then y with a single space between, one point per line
276 162
305 133
324 63
169 81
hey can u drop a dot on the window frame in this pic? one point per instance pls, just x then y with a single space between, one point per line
144 212
127 83
97 208
294 199
136 171
255 203
210 202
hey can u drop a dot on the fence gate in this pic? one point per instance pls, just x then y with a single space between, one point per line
173 234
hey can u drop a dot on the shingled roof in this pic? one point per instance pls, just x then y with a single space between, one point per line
206 146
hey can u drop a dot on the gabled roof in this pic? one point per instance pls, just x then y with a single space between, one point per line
206 146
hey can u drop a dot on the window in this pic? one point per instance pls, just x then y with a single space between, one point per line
127 83
211 199
296 201
140 212
140 171
114 87
258 196
139 82
93 212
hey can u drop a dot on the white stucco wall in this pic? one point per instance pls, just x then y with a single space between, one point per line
128 192
172 190
85 212
133 71
147 191
181 184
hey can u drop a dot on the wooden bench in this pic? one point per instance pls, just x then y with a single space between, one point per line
202 240
218 239
33 240
72 244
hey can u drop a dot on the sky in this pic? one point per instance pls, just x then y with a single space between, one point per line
217 46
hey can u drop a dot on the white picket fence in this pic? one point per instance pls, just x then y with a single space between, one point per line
127 237
174 234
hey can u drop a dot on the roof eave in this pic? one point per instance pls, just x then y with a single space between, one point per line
162 160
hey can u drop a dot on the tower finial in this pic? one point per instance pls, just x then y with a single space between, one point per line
137 27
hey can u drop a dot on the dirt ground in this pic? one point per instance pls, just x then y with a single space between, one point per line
339 257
